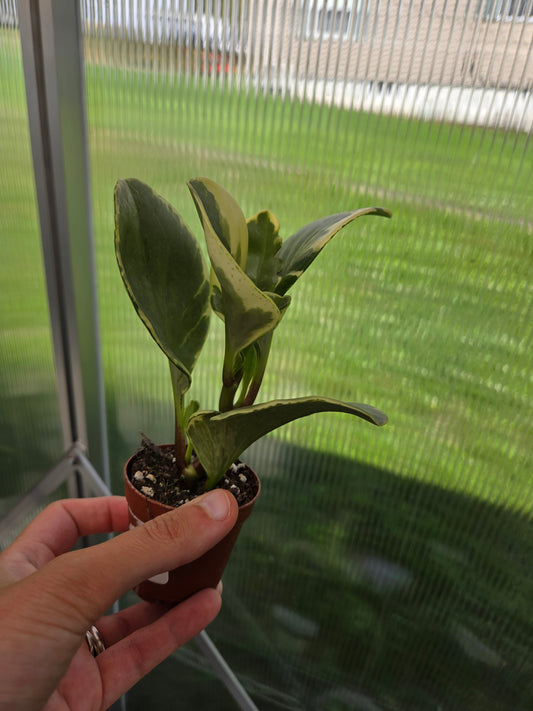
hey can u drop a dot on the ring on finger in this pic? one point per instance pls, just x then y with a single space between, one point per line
94 641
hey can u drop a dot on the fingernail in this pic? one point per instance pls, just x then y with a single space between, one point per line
216 504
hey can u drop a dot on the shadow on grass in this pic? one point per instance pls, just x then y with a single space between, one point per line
354 588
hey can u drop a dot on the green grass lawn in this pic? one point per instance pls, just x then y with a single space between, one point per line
427 316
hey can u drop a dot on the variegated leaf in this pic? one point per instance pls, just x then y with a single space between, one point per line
219 438
300 249
224 215
264 241
181 382
248 313
163 271
282 302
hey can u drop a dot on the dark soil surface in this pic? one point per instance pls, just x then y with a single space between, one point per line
154 473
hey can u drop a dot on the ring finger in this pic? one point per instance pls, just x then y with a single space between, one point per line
121 624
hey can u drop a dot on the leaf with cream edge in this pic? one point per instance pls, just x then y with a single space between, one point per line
262 265
300 249
224 215
167 280
248 312
220 438
163 271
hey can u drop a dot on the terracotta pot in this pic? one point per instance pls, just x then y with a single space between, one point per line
204 572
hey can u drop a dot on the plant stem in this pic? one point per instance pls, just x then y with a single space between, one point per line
180 444
227 396
250 360
230 380
253 391
255 385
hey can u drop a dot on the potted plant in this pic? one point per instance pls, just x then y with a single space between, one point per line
174 294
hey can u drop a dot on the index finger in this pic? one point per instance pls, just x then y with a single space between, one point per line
56 529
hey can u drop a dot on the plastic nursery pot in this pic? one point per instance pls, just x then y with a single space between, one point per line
204 572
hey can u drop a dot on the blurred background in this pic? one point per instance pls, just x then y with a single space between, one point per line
383 569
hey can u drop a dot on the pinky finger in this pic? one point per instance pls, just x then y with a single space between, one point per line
123 664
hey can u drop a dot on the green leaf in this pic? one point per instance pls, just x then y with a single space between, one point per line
264 241
163 271
217 302
224 216
181 382
219 438
250 359
262 350
300 249
192 407
248 313
282 302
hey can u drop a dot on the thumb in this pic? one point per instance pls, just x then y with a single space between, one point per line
78 587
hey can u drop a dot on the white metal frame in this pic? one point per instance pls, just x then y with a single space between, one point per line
53 71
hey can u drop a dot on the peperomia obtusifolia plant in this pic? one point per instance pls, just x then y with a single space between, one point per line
252 269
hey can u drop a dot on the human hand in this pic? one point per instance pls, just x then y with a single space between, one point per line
50 595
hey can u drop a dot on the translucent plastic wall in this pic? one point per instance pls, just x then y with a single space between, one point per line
382 569
30 427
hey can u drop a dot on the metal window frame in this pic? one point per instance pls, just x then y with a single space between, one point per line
53 72
52 52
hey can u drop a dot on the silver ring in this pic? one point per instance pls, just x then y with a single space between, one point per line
94 641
